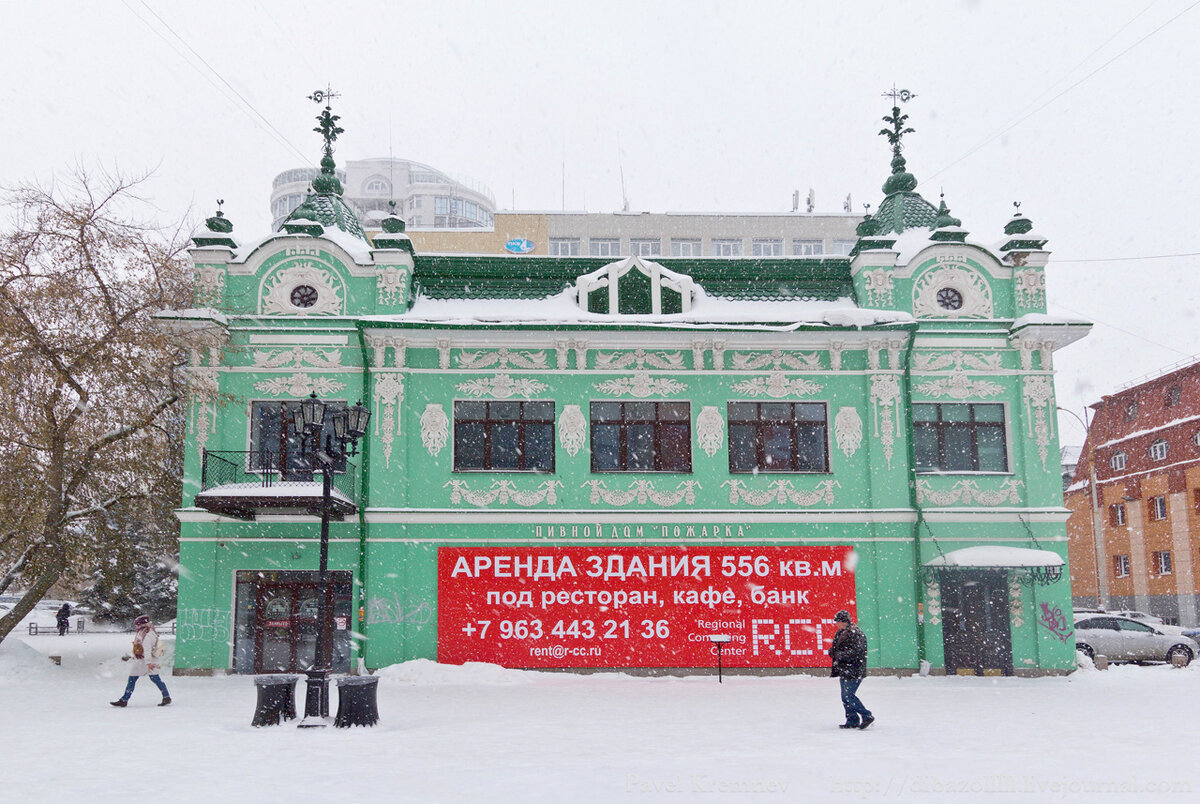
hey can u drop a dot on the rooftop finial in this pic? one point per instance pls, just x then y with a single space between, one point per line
328 128
900 180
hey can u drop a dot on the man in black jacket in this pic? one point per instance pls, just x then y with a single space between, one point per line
849 654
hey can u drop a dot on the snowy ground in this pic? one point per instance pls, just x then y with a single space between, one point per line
480 733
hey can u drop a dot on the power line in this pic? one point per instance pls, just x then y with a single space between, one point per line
247 104
1025 117
1102 322
1131 259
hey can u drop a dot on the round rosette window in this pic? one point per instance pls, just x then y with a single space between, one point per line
305 296
949 298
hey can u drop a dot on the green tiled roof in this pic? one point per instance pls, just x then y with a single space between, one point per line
330 210
454 276
900 211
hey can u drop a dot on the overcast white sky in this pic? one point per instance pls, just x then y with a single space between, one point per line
1085 112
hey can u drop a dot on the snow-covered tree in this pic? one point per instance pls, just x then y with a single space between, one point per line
86 376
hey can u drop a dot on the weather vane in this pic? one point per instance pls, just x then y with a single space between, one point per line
325 96
899 96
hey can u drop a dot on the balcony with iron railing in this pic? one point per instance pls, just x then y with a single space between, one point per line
245 483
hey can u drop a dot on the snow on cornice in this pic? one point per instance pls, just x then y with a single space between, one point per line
562 308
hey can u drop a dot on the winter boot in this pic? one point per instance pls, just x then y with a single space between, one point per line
867 721
165 702
119 702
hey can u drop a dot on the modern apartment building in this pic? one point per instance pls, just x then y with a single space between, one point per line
424 195
1135 500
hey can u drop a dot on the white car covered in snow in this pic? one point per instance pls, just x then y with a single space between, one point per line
1123 639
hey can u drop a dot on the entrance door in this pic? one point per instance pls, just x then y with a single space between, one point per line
975 612
286 627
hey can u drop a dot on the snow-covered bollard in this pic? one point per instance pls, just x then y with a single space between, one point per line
276 700
357 701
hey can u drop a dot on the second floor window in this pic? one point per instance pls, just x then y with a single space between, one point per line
778 437
1121 566
504 436
645 248
1117 461
604 247
564 246
1162 563
766 248
1158 507
727 248
1158 450
275 445
1116 514
808 248
641 437
685 248
959 438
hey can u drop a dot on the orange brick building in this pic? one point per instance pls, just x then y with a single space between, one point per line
1134 529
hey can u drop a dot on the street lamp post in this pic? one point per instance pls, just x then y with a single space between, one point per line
323 448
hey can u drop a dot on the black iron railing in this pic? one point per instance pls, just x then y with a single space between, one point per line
245 469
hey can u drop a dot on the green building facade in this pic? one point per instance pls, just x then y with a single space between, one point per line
601 462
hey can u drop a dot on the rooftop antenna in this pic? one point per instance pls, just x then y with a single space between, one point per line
621 169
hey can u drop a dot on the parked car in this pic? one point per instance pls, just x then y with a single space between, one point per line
1123 639
1140 616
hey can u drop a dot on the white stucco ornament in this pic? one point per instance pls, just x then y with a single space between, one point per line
303 282
848 430
572 429
435 428
710 429
952 291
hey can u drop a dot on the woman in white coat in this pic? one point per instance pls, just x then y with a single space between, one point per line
146 655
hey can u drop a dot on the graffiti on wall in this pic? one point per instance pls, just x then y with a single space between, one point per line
394 611
1055 622
204 625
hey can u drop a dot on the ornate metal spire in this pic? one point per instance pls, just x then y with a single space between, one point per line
900 180
327 183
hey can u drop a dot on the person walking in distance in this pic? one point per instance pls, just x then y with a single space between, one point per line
849 655
63 618
146 656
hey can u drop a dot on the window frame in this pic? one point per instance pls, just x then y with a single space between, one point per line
766 247
556 244
1163 564
490 424
1121 565
973 426
1174 395
728 247
694 247
1116 515
645 246
1158 507
808 248
1159 449
623 424
285 437
604 246
794 425
1117 461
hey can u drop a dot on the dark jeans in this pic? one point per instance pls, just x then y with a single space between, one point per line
158 682
855 710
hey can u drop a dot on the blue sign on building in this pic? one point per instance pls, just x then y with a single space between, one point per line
519 245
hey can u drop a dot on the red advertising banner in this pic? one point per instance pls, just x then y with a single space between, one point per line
641 606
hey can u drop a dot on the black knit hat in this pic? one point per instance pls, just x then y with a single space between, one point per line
842 616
